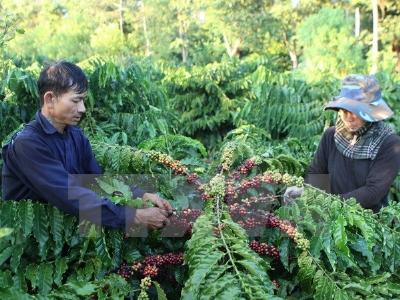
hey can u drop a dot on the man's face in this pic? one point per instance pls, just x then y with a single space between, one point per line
350 120
68 108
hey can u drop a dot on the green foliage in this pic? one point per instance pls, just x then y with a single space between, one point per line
353 251
221 265
8 28
124 104
19 98
5 231
329 46
290 155
206 98
107 40
160 292
32 254
177 146
284 106
121 159
128 160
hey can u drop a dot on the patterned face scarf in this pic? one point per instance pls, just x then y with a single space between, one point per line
364 143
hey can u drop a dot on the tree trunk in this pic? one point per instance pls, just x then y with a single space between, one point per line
145 32
227 45
382 6
293 58
234 49
292 51
121 17
357 21
182 36
398 63
375 37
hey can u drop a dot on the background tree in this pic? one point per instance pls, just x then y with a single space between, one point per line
329 46
289 15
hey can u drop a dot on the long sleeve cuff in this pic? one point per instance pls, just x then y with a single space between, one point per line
130 214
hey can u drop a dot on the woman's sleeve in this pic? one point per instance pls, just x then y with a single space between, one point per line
380 176
319 164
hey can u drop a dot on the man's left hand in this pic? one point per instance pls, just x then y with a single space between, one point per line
158 201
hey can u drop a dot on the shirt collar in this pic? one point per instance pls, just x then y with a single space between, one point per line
47 127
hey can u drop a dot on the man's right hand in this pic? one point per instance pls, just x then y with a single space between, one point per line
152 218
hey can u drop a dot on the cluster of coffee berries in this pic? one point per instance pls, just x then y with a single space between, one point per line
286 179
276 283
190 214
250 222
145 284
150 265
143 295
278 178
165 259
269 178
272 177
150 270
235 175
230 191
246 166
298 181
227 157
169 162
254 219
253 222
264 249
193 179
125 271
137 267
301 242
200 188
237 210
292 180
184 219
178 227
272 221
203 191
216 187
250 183
246 217
286 227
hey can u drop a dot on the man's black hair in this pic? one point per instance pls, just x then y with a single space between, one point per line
61 77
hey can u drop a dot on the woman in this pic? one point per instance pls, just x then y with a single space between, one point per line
361 153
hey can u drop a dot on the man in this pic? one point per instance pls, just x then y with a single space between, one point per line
40 160
361 153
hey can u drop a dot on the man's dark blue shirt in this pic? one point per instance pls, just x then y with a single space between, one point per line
40 163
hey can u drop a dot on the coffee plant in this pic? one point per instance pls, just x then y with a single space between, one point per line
230 235
207 98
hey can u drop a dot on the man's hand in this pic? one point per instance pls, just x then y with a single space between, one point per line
152 217
291 193
159 202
